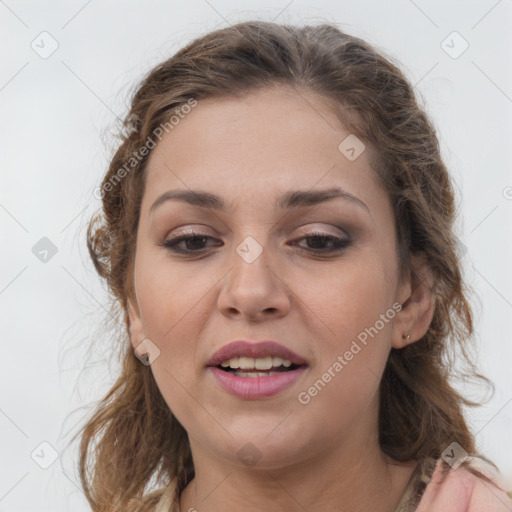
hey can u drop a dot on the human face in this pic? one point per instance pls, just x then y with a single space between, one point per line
250 153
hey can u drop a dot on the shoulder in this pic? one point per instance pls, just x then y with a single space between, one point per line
459 490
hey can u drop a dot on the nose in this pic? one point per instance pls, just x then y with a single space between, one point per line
254 291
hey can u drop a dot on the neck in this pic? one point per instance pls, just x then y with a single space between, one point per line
352 478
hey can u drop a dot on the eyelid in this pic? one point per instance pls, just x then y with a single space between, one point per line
307 230
191 230
337 230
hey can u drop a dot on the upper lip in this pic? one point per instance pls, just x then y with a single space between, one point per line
255 350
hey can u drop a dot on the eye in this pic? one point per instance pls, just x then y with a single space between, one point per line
194 243
318 240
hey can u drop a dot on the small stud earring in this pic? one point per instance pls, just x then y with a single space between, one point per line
408 337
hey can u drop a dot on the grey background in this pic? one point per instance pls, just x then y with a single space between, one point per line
58 114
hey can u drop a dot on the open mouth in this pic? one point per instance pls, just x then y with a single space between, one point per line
257 378
258 367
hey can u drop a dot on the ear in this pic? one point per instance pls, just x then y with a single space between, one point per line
136 327
417 297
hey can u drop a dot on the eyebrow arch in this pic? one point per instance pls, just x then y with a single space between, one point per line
292 199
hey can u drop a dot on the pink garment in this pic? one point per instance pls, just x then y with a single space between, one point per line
461 491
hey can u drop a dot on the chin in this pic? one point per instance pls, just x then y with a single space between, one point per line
261 448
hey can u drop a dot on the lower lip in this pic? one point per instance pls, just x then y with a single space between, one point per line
256 387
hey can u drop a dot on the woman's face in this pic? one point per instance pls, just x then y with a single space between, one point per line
259 269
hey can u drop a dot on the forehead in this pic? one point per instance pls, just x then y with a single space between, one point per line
260 146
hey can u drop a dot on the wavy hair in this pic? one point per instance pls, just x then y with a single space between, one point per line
132 443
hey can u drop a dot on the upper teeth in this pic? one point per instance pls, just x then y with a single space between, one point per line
251 363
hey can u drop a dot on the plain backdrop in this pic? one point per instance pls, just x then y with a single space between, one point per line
58 113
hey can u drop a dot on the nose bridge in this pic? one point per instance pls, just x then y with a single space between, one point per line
251 266
252 286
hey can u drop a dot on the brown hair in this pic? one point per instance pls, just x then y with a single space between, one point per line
133 440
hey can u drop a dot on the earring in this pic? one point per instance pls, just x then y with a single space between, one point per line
408 337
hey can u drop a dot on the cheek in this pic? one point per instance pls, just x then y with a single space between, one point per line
356 308
354 347
352 298
170 304
167 293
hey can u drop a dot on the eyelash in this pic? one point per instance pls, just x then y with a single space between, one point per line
339 243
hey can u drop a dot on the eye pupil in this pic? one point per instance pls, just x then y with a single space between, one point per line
318 238
190 241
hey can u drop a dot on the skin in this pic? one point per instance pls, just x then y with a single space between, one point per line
317 457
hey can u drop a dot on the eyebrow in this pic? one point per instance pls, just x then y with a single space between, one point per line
290 200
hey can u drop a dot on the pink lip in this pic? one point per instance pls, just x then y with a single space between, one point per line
261 349
256 387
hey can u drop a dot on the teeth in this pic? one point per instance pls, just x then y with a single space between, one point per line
263 363
255 374
246 363
232 363
260 363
